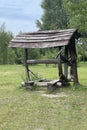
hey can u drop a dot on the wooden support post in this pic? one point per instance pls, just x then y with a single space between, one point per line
60 64
26 65
66 64
73 61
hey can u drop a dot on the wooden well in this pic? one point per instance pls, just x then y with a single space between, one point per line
48 39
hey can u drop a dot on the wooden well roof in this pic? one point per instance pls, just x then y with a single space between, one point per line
44 39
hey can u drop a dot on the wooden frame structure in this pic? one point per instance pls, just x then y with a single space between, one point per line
48 39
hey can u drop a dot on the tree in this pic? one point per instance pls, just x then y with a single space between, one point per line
82 51
5 38
54 16
77 14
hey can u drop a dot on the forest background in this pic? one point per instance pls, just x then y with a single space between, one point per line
57 14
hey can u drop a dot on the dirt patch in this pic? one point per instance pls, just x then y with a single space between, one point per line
62 94
40 91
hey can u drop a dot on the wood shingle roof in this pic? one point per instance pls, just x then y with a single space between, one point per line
44 39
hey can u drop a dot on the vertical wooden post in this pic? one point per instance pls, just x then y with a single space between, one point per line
65 64
26 65
73 61
59 64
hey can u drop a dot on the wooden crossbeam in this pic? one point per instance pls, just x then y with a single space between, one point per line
47 61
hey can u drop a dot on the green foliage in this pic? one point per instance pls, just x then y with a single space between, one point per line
5 38
19 55
10 56
60 14
54 16
82 51
34 53
77 14
16 55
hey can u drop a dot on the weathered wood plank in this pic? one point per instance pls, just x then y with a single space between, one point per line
39 45
48 61
53 82
41 40
41 84
30 83
42 36
50 31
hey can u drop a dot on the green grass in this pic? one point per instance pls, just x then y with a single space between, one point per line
28 110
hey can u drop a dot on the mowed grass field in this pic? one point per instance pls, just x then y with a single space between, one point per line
21 109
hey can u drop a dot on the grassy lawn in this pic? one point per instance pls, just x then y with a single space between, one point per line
29 110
